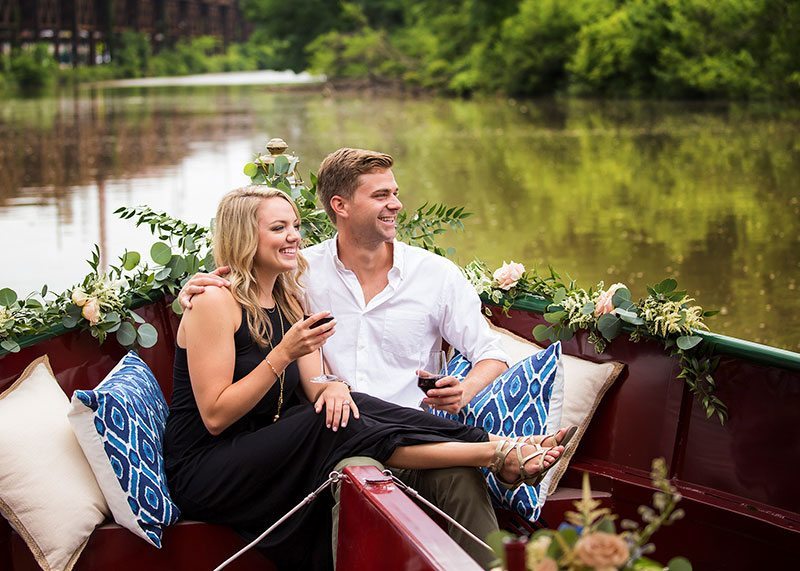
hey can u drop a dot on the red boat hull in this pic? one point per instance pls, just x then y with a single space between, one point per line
743 511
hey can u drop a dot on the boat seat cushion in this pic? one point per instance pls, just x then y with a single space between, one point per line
120 426
515 404
585 383
47 490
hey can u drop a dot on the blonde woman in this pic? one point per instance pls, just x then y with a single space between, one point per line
249 435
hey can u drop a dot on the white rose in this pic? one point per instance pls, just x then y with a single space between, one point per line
79 297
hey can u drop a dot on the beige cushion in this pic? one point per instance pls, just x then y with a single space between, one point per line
585 383
47 490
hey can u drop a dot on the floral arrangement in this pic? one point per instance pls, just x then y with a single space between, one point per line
666 314
589 539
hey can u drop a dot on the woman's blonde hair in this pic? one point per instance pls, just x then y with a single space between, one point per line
235 242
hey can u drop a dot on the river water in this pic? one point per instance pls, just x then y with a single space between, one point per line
621 191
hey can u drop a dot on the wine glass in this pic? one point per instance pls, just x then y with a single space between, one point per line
431 369
323 377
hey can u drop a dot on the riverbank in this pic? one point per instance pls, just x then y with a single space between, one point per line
263 77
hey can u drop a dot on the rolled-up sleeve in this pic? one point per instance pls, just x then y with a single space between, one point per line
461 322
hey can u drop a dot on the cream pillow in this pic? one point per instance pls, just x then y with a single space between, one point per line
47 490
585 383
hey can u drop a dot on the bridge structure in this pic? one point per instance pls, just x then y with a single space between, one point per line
83 31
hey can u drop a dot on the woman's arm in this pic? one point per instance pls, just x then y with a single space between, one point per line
208 330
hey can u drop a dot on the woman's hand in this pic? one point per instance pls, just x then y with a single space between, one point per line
335 398
302 339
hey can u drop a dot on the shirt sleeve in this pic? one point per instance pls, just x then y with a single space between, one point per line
461 320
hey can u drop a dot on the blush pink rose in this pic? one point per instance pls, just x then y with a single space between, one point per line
602 551
507 275
91 311
604 303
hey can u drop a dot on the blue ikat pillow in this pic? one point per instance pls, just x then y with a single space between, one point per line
120 427
515 404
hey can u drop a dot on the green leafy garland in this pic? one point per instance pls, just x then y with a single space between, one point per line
666 314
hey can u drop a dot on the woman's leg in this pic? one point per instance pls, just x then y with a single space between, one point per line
477 454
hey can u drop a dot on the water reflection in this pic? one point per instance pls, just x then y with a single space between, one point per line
628 192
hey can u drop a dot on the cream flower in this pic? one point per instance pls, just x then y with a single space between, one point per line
536 550
546 564
605 302
79 297
507 275
602 551
91 311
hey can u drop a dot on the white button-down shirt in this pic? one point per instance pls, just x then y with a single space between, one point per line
379 345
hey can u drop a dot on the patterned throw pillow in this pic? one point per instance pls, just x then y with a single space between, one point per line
515 404
120 426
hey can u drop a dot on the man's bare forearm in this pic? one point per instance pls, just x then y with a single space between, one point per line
481 375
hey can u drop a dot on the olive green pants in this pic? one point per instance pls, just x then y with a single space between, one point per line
459 492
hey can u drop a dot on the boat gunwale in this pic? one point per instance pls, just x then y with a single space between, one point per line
720 344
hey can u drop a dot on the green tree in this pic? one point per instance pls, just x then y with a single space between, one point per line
291 26
537 42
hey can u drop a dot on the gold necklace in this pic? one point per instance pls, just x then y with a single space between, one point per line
282 376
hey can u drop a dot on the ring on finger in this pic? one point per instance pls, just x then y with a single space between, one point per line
346 403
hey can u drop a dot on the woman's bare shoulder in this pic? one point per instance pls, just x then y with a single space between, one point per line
214 303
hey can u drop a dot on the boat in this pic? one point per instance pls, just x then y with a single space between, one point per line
736 479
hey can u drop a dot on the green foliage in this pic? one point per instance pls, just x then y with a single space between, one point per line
618 54
295 24
666 314
32 69
563 548
642 48
537 43
131 54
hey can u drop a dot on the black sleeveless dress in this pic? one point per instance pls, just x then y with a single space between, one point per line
257 470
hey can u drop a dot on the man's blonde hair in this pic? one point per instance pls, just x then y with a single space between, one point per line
338 174
235 243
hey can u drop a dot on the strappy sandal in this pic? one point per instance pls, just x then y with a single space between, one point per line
504 448
563 442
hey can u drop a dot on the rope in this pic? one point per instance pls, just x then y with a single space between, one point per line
417 496
335 477
332 478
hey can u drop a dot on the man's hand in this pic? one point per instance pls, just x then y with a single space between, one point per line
447 396
197 285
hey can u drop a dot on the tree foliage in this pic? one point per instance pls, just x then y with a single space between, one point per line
735 49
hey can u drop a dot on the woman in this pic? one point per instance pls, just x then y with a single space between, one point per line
243 442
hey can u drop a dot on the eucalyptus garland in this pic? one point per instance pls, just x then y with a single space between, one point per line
665 314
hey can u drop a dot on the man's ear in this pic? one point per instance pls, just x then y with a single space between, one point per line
339 206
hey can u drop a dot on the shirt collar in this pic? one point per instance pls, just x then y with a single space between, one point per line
398 257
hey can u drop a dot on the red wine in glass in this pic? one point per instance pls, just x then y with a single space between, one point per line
428 382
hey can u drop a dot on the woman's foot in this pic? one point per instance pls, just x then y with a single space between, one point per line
527 465
563 436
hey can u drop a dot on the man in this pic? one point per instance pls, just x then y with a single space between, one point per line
393 304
